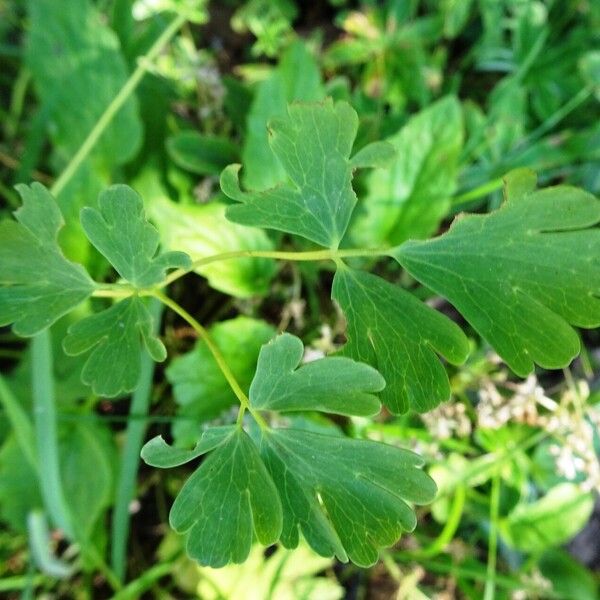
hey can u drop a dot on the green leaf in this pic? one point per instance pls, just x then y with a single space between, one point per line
295 78
199 386
335 384
86 459
119 230
116 338
77 68
229 498
158 453
203 230
201 154
550 521
347 497
39 285
397 334
521 274
410 199
313 144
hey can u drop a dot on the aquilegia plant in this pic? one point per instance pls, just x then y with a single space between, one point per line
522 276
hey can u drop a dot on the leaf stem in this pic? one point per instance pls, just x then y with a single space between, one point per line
311 255
116 104
490 580
136 428
219 359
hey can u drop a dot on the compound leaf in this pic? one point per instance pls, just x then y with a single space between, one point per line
397 334
313 144
39 285
333 384
230 496
347 497
521 275
120 231
116 337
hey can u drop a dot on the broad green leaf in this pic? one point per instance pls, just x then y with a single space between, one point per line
550 521
229 498
334 384
397 334
19 487
296 78
568 576
313 144
411 198
201 154
158 453
39 285
203 230
86 460
120 231
521 274
77 69
347 497
200 389
115 339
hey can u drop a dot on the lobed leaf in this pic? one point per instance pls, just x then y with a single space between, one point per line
120 231
347 497
39 285
397 334
116 338
313 144
333 384
229 498
521 275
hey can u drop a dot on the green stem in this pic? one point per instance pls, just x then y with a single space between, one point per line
490 580
44 411
479 192
140 404
219 358
117 103
311 255
452 523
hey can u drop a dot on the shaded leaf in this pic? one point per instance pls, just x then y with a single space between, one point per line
158 453
397 334
313 144
347 497
39 285
333 384
522 274
120 231
201 154
229 498
116 338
